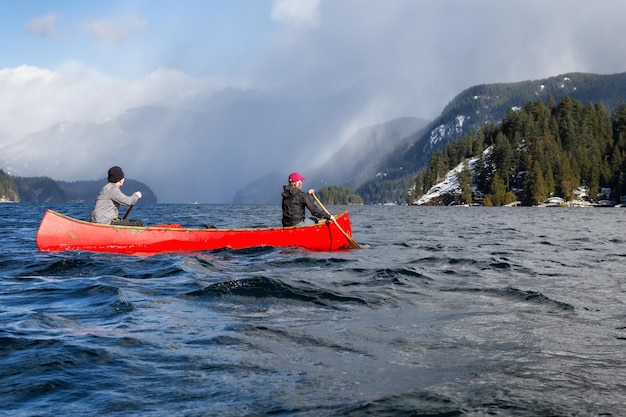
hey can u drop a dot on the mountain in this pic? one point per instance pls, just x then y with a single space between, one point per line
88 190
47 190
219 148
384 174
473 108
202 148
359 159
355 162
556 152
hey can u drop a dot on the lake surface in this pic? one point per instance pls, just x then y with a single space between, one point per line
446 311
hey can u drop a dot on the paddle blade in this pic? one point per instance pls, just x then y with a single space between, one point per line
353 243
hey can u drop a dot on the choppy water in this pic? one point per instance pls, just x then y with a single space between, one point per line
447 311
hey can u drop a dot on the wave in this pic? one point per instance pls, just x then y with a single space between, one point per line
267 288
52 367
517 295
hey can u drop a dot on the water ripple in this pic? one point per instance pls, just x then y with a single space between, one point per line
267 288
447 312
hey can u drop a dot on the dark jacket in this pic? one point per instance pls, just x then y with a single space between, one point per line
294 202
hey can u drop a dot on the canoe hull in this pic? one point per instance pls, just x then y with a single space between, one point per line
58 232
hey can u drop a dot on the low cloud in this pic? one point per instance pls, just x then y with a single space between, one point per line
42 26
36 98
296 12
115 31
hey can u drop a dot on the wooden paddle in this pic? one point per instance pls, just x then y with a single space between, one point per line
128 211
353 243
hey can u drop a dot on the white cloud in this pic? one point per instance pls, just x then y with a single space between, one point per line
42 26
115 31
296 12
36 98
420 54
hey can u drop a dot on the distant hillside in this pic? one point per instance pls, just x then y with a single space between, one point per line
563 150
47 190
487 103
359 159
8 189
88 190
196 149
207 148
39 190
351 166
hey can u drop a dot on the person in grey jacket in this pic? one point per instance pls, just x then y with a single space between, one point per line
106 207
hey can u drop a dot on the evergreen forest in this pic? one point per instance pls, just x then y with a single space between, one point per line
540 151
339 195
45 189
8 189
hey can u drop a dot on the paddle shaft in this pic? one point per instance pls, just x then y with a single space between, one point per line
353 243
128 211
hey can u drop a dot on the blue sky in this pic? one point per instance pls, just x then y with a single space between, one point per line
132 38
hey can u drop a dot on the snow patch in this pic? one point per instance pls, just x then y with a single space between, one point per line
445 130
450 185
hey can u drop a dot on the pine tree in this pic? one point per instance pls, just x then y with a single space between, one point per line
465 182
535 186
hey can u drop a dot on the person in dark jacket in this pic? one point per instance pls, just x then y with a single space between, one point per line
106 207
295 201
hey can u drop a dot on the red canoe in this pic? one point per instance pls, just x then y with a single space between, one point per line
58 232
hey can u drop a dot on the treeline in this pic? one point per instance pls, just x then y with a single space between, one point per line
537 152
339 195
45 189
581 86
8 189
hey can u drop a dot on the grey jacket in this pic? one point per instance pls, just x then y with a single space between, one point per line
108 203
